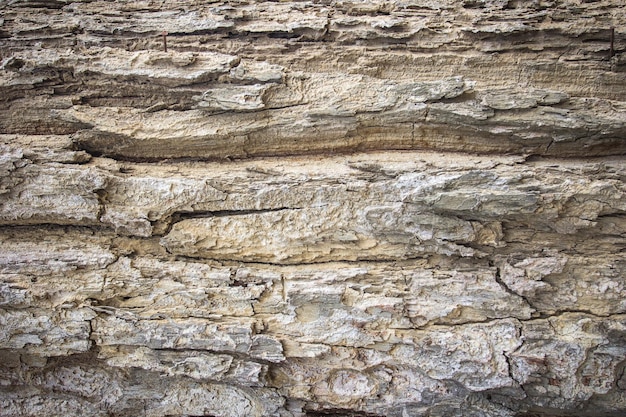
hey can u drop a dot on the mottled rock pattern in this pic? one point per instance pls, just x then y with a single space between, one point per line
312 208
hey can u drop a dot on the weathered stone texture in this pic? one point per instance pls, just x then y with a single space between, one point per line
312 208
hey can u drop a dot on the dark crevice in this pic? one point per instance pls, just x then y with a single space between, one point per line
102 197
509 361
573 311
443 323
90 229
506 288
235 262
179 216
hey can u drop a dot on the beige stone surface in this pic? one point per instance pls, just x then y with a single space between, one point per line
312 208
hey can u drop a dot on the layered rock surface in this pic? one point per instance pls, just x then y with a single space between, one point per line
386 208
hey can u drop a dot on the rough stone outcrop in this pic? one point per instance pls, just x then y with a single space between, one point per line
313 208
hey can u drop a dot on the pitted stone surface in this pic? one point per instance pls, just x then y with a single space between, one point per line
312 208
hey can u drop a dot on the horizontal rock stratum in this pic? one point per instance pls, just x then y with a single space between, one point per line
313 208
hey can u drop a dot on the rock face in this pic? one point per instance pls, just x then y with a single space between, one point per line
313 208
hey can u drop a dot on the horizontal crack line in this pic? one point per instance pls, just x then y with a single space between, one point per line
182 215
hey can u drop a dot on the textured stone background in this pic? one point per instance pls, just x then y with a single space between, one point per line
312 208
